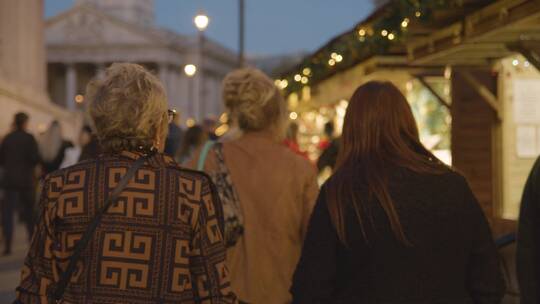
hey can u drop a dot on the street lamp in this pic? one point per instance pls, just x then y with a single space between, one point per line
190 70
201 22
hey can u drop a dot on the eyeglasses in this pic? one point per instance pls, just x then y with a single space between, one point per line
171 113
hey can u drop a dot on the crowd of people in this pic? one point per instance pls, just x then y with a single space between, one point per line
25 160
142 211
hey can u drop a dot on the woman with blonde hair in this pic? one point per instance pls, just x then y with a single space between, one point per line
267 191
52 147
129 226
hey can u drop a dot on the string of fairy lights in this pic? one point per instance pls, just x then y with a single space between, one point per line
372 37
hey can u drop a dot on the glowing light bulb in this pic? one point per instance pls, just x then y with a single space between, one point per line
405 22
391 36
190 70
362 32
331 62
79 98
384 33
306 71
304 80
297 77
293 115
201 21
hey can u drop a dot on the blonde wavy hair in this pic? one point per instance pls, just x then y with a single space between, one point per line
128 108
254 101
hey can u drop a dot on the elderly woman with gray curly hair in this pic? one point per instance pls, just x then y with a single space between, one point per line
129 226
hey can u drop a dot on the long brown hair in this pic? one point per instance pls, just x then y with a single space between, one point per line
379 133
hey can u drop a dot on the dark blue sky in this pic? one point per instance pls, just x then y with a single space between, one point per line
272 26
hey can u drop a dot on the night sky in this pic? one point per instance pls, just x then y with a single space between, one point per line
273 27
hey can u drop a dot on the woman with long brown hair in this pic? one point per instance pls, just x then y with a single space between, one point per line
394 224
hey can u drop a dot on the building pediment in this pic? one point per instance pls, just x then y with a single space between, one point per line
84 25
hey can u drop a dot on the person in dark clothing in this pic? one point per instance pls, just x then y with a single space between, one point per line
329 155
174 138
52 148
91 148
528 239
193 140
329 147
18 156
394 224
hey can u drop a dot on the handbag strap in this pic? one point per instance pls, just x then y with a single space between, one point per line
204 154
60 288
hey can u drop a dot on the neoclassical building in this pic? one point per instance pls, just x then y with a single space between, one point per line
82 41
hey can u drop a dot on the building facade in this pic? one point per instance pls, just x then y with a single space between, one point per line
23 69
84 40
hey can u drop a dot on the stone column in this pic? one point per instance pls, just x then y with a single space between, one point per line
71 86
22 47
162 74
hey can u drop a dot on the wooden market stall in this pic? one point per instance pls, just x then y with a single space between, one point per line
481 50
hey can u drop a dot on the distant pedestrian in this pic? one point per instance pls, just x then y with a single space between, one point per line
394 224
73 154
528 240
52 147
133 225
267 191
90 144
18 156
209 126
291 140
192 141
329 148
174 137
328 136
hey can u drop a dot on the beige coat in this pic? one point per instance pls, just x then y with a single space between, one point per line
277 191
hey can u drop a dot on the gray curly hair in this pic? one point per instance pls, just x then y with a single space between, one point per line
128 108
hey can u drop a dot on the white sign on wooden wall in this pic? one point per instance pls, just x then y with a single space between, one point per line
526 92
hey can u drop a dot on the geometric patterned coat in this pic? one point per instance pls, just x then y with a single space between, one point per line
162 242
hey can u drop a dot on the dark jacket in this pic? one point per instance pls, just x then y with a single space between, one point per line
528 242
160 243
174 139
19 156
452 259
329 156
91 149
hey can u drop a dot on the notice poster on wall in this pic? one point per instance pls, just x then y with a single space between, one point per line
526 100
526 108
526 146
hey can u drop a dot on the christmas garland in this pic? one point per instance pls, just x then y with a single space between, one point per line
385 28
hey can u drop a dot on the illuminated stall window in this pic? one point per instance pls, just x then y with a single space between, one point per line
433 118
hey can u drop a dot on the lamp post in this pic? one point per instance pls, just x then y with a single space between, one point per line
241 31
190 70
201 22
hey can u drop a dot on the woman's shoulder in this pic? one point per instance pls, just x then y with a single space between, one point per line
183 172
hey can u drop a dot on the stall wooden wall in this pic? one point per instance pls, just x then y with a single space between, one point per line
473 122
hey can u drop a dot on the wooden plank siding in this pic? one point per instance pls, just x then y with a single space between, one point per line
472 136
